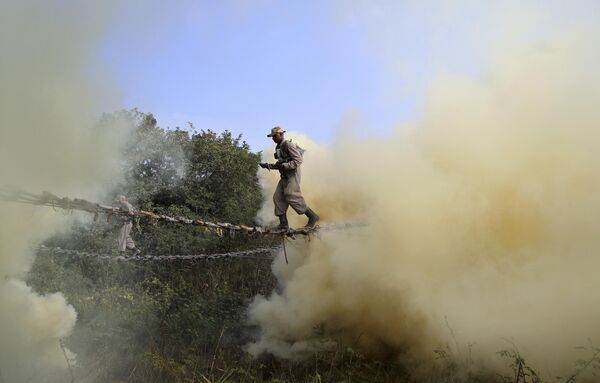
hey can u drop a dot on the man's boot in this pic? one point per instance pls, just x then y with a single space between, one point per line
283 222
313 218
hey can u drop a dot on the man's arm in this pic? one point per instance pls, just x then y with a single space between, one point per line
127 207
266 165
295 156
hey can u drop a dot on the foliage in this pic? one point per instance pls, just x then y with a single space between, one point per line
522 372
185 321
199 173
141 322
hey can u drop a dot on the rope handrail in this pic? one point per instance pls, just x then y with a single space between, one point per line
253 253
49 199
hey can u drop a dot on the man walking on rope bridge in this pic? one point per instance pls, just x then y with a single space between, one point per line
287 193
125 240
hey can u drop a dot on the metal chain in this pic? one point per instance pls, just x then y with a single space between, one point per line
156 258
220 228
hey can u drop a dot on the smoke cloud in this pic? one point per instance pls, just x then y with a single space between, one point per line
483 219
48 112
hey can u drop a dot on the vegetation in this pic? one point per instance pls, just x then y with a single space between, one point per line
184 321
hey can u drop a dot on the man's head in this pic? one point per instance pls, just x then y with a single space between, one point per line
277 134
121 198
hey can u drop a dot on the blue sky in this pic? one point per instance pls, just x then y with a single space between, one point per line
246 70
247 65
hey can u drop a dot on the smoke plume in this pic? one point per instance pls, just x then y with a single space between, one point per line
48 109
483 220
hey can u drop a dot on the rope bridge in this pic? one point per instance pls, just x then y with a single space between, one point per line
49 199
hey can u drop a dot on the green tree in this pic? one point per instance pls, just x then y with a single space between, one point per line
164 321
222 181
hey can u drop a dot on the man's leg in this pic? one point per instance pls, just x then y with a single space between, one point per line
123 234
294 197
313 218
131 244
125 240
281 205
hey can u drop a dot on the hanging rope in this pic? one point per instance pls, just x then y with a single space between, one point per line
49 199
267 253
285 252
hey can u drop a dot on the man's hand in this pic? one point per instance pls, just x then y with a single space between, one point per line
265 165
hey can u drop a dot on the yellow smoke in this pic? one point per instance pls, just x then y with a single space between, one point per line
484 221
48 109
